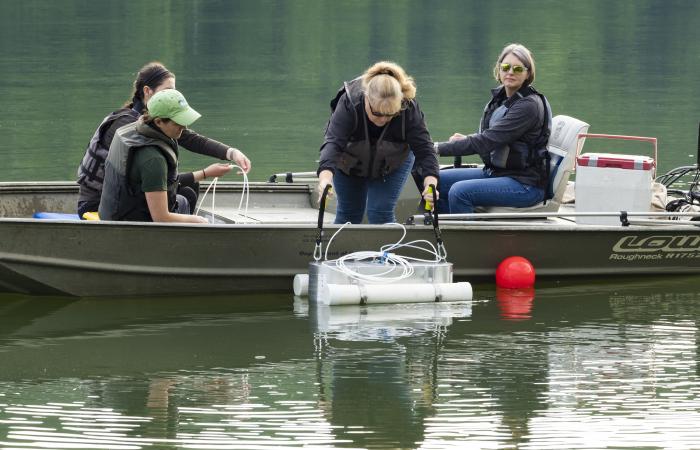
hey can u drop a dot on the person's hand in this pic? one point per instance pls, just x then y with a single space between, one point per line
429 196
456 137
239 158
217 169
199 219
325 178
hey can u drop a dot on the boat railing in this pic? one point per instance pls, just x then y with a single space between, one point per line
626 217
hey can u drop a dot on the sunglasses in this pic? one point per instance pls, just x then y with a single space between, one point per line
378 114
505 67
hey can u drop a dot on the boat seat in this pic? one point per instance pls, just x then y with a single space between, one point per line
562 148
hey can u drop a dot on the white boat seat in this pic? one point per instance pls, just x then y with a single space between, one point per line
562 149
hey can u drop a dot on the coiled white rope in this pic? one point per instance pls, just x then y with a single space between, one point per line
245 194
392 267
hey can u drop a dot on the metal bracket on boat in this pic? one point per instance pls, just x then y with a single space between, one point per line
623 219
288 178
318 250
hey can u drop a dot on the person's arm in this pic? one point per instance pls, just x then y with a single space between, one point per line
325 177
212 171
521 117
421 144
340 127
203 145
158 207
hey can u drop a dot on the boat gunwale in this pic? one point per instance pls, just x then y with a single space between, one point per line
53 187
447 225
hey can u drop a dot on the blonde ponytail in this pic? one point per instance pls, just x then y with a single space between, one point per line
387 86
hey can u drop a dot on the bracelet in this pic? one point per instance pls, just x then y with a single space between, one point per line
204 174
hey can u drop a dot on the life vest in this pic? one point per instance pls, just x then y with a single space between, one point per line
91 171
361 157
520 154
120 201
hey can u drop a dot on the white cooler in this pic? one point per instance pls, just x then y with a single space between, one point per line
607 182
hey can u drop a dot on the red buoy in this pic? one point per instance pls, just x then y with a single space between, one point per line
515 272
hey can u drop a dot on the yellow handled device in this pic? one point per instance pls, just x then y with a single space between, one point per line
429 205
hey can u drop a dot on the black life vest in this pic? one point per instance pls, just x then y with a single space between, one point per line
521 154
91 170
361 157
120 201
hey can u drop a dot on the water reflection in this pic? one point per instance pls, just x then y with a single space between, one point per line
377 368
515 304
582 366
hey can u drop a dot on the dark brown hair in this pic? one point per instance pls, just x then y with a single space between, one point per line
152 75
147 119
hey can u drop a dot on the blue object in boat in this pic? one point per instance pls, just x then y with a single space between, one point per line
55 216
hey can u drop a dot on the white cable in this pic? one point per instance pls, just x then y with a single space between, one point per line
325 256
245 193
391 260
196 211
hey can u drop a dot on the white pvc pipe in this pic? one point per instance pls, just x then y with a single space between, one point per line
353 294
301 284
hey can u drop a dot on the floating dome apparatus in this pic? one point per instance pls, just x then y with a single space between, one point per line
370 277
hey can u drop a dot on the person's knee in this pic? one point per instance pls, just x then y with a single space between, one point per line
460 200
190 197
182 205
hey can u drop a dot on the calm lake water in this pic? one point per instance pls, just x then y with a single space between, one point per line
572 366
585 364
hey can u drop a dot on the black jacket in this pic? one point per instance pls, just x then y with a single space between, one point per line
91 170
509 145
120 200
347 126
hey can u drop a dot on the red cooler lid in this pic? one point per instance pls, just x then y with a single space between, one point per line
634 162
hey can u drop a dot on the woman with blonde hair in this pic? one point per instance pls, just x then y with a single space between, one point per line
375 135
511 142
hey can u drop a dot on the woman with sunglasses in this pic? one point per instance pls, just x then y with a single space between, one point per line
374 136
511 142
150 79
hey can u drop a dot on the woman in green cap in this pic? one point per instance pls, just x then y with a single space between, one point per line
141 178
150 79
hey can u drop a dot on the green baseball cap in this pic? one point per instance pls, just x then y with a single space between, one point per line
171 104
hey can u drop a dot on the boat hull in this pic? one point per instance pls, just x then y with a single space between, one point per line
82 258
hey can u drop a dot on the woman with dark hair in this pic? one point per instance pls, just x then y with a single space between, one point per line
152 78
511 142
141 179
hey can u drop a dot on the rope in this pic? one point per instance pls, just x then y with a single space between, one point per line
245 194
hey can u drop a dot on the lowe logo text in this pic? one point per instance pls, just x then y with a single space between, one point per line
636 244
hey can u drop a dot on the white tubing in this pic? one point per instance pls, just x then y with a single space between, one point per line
301 285
353 294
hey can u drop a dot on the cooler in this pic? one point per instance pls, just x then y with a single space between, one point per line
607 182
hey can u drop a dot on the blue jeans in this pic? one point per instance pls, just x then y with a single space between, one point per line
183 205
463 189
378 196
